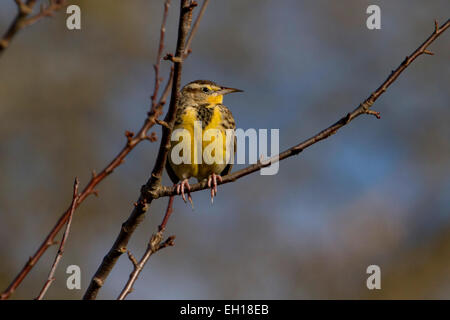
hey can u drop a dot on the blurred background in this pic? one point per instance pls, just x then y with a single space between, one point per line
378 192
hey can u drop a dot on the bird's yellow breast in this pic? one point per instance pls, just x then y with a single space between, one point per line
194 169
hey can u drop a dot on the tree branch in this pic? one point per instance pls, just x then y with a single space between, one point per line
22 18
51 275
132 141
159 56
195 27
155 244
53 6
363 108
154 182
169 211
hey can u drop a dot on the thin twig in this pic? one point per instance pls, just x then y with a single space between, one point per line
159 55
195 27
132 141
53 6
169 211
51 275
153 246
154 182
23 18
23 10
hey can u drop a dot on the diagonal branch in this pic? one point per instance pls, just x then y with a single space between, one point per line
159 56
155 244
23 18
132 141
195 27
51 275
53 6
154 183
363 108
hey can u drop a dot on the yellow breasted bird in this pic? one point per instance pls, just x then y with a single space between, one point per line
201 100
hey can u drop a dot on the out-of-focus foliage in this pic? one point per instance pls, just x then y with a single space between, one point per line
378 192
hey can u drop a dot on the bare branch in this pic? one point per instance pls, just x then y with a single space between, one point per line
51 275
159 55
154 182
363 108
153 246
131 143
23 18
169 211
53 6
195 27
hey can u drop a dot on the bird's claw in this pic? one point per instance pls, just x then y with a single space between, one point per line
180 190
212 183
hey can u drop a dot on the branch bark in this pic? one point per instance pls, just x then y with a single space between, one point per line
159 56
23 19
154 182
155 244
195 27
52 7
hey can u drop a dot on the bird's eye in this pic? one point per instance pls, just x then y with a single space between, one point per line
205 89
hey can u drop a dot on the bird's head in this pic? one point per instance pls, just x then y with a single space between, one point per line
205 92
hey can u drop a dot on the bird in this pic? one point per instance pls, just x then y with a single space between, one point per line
201 100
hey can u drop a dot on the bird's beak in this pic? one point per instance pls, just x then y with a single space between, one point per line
225 90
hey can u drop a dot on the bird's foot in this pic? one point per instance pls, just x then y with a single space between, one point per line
212 183
180 190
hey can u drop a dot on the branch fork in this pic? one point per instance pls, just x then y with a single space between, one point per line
171 57
154 245
24 8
